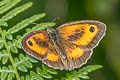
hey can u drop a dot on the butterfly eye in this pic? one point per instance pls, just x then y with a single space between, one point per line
92 29
30 43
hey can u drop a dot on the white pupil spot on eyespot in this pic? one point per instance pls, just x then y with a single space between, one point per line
92 29
30 43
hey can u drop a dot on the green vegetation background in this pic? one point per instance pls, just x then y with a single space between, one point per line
107 11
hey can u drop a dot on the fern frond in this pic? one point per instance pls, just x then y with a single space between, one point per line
4 2
81 73
7 73
40 26
3 23
3 32
24 62
4 56
16 11
49 70
8 6
7 40
42 73
25 23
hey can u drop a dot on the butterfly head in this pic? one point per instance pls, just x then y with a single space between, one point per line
51 32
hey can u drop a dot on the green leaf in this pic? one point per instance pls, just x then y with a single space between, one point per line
76 78
4 59
19 37
9 44
38 77
43 25
28 30
25 23
9 36
16 11
43 73
4 74
21 56
63 78
82 73
4 51
11 76
32 74
28 64
22 68
83 76
8 6
28 77
50 70
10 67
22 78
91 68
40 26
3 2
13 49
25 61
35 76
32 59
1 45
17 43
3 23
16 60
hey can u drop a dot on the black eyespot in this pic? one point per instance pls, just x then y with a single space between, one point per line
92 29
30 43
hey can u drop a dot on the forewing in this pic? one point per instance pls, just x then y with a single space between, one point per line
39 46
36 44
85 34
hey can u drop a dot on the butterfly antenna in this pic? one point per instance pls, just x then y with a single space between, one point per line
55 19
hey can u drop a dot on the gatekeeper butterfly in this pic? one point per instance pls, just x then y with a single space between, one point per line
69 46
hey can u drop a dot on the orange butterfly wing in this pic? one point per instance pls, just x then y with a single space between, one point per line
53 59
39 46
86 34
36 44
76 56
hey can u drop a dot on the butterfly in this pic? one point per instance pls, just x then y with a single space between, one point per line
69 46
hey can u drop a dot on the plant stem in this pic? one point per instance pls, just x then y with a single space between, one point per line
9 54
